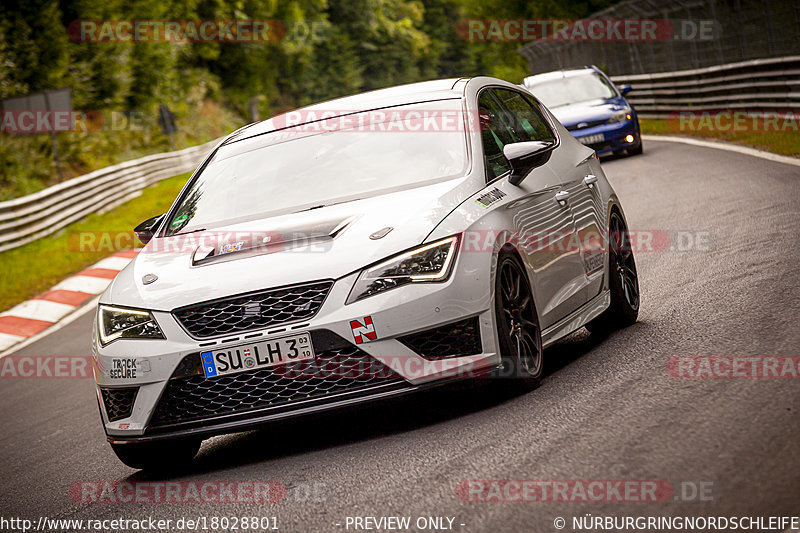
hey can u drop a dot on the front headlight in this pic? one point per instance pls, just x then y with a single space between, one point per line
121 323
619 116
429 263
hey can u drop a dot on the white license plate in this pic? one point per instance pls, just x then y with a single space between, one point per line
265 354
592 139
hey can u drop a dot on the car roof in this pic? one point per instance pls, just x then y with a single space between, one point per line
426 91
559 74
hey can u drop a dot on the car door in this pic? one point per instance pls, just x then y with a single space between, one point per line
573 167
542 224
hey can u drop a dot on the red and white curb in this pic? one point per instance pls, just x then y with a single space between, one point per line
43 311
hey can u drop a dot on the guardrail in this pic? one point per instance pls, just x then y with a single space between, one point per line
757 85
37 215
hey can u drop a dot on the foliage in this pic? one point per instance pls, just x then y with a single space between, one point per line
330 48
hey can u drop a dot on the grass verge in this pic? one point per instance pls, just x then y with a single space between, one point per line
777 142
33 268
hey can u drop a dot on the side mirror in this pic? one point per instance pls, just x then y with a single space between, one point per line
624 89
147 229
526 156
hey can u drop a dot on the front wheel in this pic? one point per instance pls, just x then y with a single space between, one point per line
167 455
623 280
518 328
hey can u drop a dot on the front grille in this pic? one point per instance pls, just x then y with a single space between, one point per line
589 124
334 371
118 402
452 340
252 311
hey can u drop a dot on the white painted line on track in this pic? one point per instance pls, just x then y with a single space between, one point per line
7 340
88 284
113 263
90 305
721 145
40 310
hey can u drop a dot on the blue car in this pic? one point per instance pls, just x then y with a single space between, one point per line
591 107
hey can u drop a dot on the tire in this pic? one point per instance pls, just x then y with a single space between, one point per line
168 455
623 280
517 324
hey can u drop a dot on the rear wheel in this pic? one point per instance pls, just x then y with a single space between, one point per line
517 323
623 280
167 455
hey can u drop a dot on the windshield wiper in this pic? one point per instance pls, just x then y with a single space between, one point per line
320 206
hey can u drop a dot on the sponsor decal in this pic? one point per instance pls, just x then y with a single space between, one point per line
365 330
180 219
490 197
594 262
231 247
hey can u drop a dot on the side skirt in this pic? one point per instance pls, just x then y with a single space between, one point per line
578 318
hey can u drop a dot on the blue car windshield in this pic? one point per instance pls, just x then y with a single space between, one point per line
573 90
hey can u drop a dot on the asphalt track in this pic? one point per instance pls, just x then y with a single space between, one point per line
607 409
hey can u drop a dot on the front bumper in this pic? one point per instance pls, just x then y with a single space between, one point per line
613 136
401 319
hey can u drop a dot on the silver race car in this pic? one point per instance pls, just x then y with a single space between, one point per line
355 250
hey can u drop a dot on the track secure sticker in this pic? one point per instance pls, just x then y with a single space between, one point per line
363 332
127 368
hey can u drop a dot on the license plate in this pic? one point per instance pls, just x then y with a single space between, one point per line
592 139
265 354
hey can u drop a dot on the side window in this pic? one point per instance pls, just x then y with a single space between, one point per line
527 122
495 134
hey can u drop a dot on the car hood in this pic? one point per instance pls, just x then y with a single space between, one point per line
590 111
324 243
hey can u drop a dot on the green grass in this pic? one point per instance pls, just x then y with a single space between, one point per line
778 142
33 268
26 163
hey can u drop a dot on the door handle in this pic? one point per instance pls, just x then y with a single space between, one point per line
590 180
562 197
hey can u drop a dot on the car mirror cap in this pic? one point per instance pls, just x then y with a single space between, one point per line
147 229
625 89
525 156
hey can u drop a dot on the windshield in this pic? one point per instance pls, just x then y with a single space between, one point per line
573 89
306 167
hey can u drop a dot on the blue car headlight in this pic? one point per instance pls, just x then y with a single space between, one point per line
429 263
620 116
